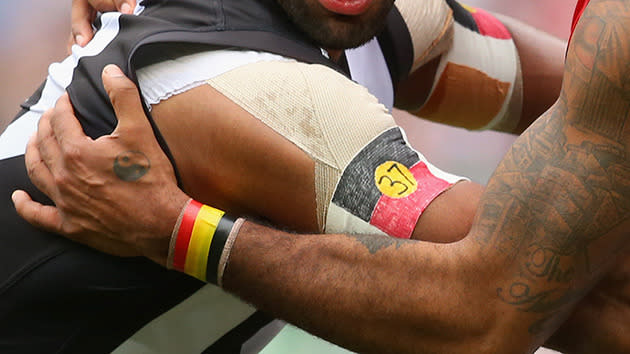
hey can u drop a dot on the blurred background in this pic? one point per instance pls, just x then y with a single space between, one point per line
34 33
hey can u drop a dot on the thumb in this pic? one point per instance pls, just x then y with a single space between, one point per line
125 99
81 19
43 216
125 6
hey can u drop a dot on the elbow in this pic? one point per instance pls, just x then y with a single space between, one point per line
464 317
449 217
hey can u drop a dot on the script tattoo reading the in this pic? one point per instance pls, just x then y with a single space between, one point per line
565 184
130 166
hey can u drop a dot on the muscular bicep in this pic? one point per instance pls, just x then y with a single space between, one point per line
557 210
228 158
294 142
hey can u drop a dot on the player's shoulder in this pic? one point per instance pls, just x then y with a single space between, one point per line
291 77
297 89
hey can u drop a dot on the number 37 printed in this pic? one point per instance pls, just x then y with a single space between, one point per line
395 180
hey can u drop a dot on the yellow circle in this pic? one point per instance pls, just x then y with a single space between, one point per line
395 180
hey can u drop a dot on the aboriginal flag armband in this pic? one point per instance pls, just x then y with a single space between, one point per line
385 188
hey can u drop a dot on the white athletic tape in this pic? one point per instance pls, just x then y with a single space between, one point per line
322 112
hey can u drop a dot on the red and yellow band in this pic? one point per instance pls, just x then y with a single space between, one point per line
198 241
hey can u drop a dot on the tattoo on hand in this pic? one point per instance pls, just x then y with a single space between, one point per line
130 166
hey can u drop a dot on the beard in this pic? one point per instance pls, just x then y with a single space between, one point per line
334 31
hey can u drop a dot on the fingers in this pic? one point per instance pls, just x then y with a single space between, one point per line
42 216
126 102
81 20
64 124
84 12
44 149
70 43
125 6
49 218
37 170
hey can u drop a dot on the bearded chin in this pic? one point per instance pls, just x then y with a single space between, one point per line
342 35
336 32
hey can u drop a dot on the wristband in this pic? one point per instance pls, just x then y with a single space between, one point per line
198 241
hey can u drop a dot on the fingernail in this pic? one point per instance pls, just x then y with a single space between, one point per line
79 39
125 8
112 70
14 196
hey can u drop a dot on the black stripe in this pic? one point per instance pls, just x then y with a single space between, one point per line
397 46
57 296
357 192
35 97
463 16
18 115
219 239
232 341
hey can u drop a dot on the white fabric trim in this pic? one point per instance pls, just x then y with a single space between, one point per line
163 80
138 10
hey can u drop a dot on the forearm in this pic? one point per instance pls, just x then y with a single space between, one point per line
542 62
601 321
558 204
348 288
542 218
367 293
551 222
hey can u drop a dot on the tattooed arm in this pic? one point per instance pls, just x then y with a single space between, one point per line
553 219
551 222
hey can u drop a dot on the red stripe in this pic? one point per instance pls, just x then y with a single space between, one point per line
398 217
489 25
579 10
184 234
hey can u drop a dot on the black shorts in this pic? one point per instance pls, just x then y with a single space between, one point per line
59 296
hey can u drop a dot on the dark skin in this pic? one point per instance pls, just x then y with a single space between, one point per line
555 215
552 222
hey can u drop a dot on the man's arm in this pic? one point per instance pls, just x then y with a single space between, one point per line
542 65
601 321
554 218
467 59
